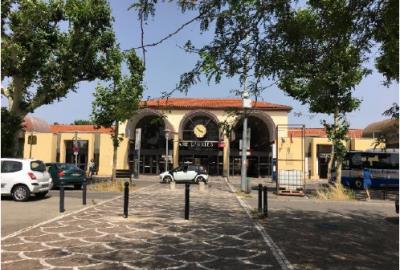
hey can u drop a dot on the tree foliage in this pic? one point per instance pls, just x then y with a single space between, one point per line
48 47
82 122
386 32
119 100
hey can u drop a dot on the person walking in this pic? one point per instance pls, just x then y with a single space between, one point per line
367 182
92 168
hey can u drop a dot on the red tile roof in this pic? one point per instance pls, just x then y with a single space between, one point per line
214 103
79 128
320 132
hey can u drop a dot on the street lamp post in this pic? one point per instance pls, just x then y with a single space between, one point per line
246 105
166 149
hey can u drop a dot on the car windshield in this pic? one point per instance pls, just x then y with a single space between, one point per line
67 167
38 166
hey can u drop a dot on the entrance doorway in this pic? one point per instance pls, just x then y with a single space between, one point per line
82 157
323 154
152 147
260 158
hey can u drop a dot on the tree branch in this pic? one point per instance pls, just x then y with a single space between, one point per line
171 34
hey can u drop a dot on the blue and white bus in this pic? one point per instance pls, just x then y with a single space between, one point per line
383 166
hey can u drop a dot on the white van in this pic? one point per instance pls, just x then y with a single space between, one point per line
23 177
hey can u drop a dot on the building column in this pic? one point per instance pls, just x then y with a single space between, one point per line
226 156
176 150
314 161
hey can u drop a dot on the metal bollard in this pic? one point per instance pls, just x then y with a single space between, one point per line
62 209
126 199
260 190
84 188
265 201
187 194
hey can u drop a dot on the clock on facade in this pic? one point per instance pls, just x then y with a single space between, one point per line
200 131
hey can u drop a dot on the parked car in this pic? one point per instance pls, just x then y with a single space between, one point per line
68 173
186 172
22 177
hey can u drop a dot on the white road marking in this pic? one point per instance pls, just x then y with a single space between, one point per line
276 251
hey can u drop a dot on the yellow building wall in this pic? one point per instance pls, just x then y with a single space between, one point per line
44 150
364 144
106 155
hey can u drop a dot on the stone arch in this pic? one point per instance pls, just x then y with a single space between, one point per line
132 123
192 114
266 119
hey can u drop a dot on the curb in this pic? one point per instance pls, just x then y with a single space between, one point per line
66 215
276 251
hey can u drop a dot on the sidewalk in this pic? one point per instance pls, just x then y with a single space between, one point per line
219 235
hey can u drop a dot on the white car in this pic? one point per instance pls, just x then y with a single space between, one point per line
194 173
23 177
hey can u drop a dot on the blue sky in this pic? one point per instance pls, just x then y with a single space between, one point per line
166 62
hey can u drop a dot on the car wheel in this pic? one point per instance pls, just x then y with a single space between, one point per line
358 183
167 179
41 194
21 193
199 179
78 186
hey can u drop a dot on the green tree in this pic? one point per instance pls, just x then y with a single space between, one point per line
321 63
47 47
82 122
119 100
386 33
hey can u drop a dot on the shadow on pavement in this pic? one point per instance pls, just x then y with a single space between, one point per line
318 240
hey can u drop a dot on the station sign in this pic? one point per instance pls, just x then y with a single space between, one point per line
199 145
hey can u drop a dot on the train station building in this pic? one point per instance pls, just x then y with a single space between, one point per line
200 131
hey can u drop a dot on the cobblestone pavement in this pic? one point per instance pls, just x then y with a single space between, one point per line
219 235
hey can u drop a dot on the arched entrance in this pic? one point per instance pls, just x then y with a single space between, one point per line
153 140
262 130
199 137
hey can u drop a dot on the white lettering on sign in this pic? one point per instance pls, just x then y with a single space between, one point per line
202 144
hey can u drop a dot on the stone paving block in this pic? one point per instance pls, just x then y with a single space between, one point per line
219 235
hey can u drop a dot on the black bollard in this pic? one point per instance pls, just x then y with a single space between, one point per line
187 194
265 201
126 199
84 187
260 189
62 209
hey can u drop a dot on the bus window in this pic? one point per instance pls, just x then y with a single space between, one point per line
356 161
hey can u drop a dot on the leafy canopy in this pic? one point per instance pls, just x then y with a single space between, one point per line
119 100
49 46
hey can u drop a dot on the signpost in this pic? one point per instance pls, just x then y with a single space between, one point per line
138 141
76 148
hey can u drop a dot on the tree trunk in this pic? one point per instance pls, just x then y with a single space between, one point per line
330 163
336 163
339 173
115 149
15 101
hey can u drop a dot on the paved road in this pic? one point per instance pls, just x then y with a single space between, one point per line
337 235
219 235
18 215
